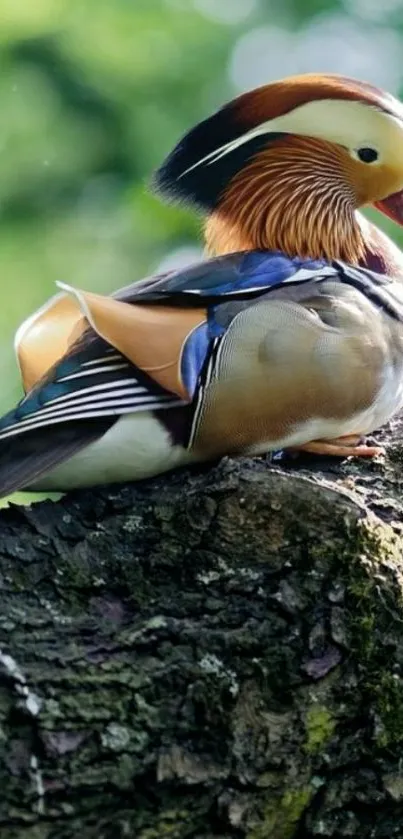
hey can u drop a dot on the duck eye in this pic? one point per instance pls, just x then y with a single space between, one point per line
367 155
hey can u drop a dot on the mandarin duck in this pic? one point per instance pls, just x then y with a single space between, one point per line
290 333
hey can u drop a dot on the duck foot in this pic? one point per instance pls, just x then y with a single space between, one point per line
348 446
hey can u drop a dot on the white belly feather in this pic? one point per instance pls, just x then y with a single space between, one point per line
136 446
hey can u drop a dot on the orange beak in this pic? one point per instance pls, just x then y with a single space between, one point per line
392 206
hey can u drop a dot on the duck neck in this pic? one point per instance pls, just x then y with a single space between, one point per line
368 246
294 197
297 197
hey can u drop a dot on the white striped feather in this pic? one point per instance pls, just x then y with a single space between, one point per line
96 371
97 389
108 398
106 409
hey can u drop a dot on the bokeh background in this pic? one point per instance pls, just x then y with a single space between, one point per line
94 93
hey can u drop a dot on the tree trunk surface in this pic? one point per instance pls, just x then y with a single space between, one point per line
215 654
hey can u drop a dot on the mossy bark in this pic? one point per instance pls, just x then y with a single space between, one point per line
211 654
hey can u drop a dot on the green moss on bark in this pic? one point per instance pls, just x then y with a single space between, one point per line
320 726
281 817
375 586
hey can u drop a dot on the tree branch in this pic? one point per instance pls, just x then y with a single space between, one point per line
210 654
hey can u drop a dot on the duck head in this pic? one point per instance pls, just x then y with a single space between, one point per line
288 165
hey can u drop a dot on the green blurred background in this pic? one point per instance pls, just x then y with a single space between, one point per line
94 93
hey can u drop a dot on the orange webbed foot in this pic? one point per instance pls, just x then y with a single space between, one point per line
347 446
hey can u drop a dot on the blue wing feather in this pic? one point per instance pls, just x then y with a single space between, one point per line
194 354
227 275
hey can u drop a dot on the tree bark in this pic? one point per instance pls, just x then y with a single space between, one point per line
215 654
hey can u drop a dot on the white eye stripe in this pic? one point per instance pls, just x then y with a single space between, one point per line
341 121
217 154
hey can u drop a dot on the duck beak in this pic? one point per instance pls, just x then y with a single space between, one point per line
392 206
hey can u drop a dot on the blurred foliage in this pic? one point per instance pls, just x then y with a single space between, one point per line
93 95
